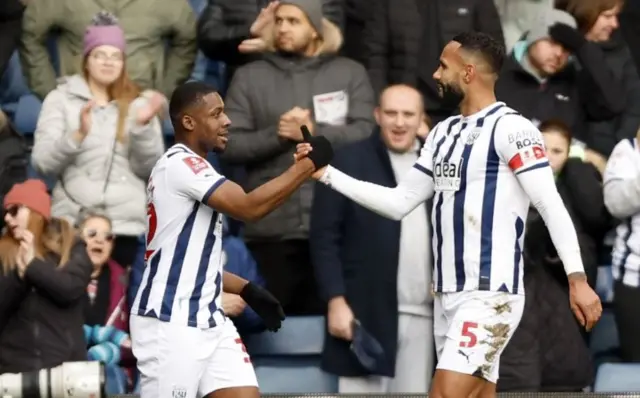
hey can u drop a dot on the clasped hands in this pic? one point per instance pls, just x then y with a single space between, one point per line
318 149
26 253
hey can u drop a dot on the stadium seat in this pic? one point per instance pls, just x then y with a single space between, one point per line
12 86
604 283
604 338
26 115
618 377
289 361
295 379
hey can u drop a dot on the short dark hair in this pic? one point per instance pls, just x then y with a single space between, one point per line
490 49
186 95
558 126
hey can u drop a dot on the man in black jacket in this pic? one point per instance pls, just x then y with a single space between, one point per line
404 39
226 28
542 79
375 270
10 30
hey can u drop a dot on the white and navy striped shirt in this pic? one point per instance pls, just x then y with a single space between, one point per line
484 171
622 198
182 279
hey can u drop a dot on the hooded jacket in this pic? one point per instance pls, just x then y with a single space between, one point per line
264 90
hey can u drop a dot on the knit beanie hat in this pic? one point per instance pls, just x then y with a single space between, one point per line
545 20
313 10
104 31
33 194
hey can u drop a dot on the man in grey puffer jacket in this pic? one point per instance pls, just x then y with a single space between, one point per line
300 80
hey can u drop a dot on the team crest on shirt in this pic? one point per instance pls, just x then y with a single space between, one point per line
195 163
179 392
473 136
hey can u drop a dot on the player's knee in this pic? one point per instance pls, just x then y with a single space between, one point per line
235 392
449 384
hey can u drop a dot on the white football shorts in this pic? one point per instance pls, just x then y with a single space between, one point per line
472 328
187 362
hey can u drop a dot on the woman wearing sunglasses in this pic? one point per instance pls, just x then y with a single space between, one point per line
106 313
44 272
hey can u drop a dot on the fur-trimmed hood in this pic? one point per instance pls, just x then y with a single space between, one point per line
332 38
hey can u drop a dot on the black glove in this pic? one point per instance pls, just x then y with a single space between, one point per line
567 36
322 153
264 304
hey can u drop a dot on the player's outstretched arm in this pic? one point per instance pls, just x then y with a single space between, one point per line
394 203
622 181
232 200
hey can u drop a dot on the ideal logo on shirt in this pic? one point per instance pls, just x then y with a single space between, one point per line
447 175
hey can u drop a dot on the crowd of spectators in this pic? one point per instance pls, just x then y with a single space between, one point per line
93 78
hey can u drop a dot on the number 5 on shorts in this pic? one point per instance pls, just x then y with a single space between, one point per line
468 333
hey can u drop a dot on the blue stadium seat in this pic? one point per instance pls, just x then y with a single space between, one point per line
289 361
295 379
12 86
26 116
198 5
618 377
604 338
604 283
299 335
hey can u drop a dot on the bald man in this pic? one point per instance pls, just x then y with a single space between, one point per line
483 168
375 273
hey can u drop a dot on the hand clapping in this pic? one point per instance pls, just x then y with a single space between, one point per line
290 122
26 253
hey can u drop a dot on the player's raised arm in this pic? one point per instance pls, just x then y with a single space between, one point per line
394 203
519 143
622 180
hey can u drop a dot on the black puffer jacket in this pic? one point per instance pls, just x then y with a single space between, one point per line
606 134
547 352
10 29
396 50
41 316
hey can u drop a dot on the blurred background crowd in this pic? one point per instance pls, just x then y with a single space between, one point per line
83 92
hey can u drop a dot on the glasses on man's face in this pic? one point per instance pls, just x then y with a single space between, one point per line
12 210
93 233
103 57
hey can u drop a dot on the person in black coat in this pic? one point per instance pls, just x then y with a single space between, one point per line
373 270
43 280
598 22
10 29
542 80
403 40
548 352
228 30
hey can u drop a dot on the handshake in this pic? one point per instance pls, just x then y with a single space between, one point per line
317 149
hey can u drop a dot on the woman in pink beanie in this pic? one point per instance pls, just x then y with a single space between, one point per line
100 136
